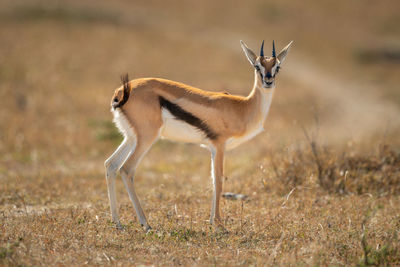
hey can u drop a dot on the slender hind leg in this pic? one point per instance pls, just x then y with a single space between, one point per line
112 164
128 174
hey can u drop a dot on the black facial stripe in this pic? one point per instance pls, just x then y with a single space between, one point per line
187 117
261 76
259 71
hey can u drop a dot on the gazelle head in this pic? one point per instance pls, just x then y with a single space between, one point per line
266 68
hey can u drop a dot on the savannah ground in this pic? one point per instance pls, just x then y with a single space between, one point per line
323 180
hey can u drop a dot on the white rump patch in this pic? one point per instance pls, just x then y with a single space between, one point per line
123 124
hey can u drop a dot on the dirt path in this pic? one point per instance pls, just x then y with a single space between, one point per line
357 111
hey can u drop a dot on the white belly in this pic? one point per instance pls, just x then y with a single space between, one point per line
180 131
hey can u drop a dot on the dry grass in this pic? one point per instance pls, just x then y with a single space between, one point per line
341 173
331 199
47 222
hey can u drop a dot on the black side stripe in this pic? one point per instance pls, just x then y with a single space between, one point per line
187 117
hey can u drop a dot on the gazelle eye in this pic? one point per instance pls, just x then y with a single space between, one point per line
257 67
277 69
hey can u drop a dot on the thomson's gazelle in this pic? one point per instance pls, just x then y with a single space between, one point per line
149 108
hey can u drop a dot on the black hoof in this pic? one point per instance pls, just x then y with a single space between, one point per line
147 228
119 226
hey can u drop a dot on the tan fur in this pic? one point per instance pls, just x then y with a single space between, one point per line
228 115
268 63
233 119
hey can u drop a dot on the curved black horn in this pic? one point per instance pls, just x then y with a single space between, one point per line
262 49
273 49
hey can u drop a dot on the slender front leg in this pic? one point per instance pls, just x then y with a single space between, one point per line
112 165
217 172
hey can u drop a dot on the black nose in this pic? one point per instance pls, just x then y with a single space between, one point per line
269 76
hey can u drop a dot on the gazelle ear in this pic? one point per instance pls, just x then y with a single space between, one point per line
284 52
249 54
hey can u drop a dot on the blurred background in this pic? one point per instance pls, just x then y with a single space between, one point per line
331 135
60 62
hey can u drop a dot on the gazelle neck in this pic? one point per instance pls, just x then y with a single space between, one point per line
259 101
